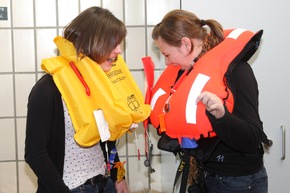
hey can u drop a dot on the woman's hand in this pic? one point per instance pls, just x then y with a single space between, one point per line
212 103
121 186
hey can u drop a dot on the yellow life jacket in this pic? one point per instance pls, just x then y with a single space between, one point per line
176 111
114 92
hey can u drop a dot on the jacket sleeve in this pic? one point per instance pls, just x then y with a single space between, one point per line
242 129
40 136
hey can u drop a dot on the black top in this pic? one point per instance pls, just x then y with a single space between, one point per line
239 150
45 137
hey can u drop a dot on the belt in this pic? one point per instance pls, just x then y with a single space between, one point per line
99 179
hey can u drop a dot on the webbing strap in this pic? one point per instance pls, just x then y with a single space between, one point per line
183 169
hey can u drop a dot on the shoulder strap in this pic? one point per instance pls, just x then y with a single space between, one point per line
183 169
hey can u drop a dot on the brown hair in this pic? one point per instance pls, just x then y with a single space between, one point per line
95 33
177 24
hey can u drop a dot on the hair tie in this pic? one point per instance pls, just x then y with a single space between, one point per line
202 23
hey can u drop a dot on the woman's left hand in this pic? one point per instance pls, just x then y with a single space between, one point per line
121 187
212 103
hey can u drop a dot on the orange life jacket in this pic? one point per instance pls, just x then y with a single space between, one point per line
182 117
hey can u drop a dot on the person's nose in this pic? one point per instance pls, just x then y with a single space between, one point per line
167 61
118 49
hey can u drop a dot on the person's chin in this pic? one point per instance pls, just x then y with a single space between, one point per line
108 68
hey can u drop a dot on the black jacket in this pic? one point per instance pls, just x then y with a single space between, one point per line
239 150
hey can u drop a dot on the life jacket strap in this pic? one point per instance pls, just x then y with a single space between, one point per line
162 127
183 171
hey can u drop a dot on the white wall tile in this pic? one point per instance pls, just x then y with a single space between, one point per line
129 145
24 57
27 179
153 51
157 9
135 47
39 75
116 7
135 12
8 177
22 12
65 16
45 47
45 13
168 160
21 128
84 4
156 176
6 23
8 137
23 85
60 31
6 96
6 51
137 176
136 141
122 145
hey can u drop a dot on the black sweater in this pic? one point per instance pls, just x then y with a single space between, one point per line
239 150
45 137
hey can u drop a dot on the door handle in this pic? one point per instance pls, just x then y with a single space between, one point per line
283 128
